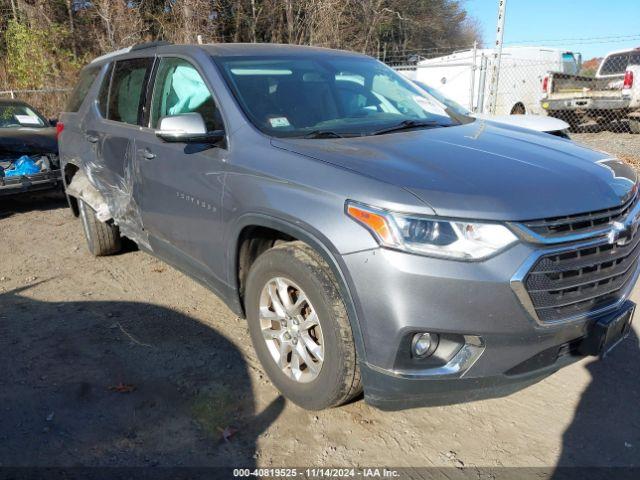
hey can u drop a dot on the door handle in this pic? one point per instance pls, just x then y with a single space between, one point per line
148 154
91 138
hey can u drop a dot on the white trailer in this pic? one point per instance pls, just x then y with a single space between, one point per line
463 76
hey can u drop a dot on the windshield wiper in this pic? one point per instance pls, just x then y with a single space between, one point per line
407 125
322 134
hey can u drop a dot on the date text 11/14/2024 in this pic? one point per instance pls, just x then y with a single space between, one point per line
317 472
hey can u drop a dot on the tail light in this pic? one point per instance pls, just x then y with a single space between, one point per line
545 84
59 129
628 79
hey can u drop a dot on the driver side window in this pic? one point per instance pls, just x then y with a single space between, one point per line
179 88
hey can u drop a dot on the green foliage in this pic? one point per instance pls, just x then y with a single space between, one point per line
26 59
32 54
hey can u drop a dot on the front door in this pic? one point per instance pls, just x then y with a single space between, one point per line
182 184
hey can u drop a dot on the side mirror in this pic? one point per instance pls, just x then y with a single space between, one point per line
53 122
186 128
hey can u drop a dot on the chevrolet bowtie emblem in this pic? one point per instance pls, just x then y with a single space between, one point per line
621 234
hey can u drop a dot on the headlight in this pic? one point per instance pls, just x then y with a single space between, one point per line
430 236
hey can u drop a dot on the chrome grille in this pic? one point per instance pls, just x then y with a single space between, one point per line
581 223
582 280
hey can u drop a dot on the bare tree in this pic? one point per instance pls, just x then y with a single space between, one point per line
121 23
85 29
72 30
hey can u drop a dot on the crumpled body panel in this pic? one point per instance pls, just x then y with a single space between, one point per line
109 186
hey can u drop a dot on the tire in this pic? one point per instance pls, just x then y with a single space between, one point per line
634 125
574 123
102 238
518 109
338 379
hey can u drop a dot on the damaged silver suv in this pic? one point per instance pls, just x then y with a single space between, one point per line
374 239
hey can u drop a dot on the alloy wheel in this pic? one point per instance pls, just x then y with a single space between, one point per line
291 329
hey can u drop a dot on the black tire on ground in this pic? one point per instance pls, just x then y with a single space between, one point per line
574 123
339 378
634 125
571 119
102 238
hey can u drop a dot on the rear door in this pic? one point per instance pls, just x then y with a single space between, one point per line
73 146
183 183
111 128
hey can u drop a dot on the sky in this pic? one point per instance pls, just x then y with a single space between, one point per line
576 25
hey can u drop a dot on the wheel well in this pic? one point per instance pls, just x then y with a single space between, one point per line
252 242
69 171
518 109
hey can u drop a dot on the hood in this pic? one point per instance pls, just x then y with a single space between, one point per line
532 122
481 170
26 141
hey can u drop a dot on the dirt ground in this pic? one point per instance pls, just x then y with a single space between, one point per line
123 361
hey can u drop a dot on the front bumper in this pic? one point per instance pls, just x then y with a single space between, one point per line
388 392
398 294
30 183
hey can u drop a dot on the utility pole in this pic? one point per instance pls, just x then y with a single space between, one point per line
472 85
497 57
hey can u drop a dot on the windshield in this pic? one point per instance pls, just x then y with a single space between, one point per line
438 95
16 115
295 96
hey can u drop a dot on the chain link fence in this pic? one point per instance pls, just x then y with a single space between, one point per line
598 99
48 101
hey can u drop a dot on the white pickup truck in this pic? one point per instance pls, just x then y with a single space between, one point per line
465 76
612 96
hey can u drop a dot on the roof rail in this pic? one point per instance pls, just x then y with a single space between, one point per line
111 54
142 46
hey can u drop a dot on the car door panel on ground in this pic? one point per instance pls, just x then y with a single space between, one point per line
183 183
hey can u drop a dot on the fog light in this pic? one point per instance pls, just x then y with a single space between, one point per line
424 344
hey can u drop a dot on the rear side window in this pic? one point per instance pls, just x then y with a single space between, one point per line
87 76
179 89
615 64
126 95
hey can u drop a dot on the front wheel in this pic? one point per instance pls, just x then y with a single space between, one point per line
102 238
518 109
300 329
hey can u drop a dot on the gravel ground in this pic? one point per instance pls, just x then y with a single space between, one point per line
123 361
625 146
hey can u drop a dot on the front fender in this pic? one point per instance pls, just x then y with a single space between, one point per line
311 236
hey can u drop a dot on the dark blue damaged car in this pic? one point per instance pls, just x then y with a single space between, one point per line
28 150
